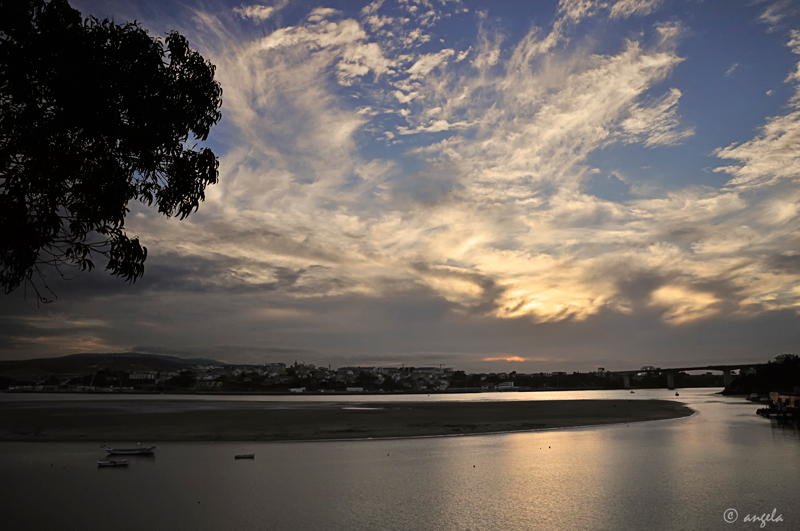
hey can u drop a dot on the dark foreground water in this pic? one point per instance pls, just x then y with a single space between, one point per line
680 474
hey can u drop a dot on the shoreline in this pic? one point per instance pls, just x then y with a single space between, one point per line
532 430
192 421
447 392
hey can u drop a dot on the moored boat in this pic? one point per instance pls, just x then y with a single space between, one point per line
141 450
245 456
118 462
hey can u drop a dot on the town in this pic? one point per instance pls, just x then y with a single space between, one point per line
109 374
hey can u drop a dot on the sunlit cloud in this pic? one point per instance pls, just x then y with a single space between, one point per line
258 12
627 8
683 304
657 124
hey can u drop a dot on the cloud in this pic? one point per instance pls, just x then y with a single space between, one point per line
425 63
259 13
777 11
729 72
507 358
794 44
532 125
577 10
684 304
627 8
772 156
657 124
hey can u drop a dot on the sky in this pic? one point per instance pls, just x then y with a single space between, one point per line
492 186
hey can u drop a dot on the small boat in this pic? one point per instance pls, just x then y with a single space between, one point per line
244 456
631 392
140 450
119 462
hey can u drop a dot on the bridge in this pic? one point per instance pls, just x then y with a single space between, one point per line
671 372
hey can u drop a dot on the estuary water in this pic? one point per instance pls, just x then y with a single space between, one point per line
682 474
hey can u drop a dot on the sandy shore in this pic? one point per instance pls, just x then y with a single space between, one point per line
186 420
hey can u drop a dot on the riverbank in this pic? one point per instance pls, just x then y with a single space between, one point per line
186 420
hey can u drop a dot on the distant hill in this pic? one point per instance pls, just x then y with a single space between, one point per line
87 363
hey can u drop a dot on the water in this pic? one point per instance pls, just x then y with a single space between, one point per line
678 474
641 394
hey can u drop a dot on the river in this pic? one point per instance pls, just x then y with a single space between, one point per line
681 474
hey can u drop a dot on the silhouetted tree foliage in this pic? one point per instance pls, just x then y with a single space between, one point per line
92 115
185 379
783 374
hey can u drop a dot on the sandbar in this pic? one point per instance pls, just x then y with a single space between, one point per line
190 420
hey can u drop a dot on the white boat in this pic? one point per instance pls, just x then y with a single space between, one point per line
119 462
140 450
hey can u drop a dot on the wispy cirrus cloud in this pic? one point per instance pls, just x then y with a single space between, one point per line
576 10
776 11
657 124
773 155
627 8
258 12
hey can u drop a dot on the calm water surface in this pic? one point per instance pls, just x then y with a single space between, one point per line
679 474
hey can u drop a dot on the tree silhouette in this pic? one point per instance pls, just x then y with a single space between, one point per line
93 115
